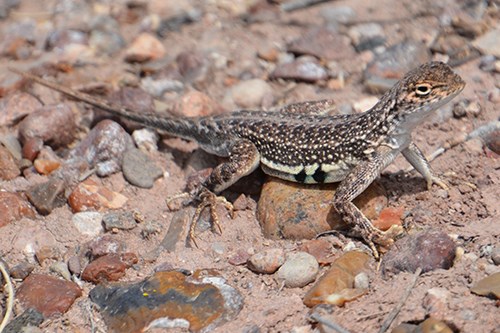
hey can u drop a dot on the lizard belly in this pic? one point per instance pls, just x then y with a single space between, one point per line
309 174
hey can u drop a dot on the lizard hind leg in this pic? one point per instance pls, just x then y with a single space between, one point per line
244 158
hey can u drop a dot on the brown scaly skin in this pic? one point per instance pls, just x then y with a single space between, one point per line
301 143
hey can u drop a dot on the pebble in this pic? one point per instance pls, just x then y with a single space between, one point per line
103 147
139 170
16 106
200 302
132 98
488 43
323 43
21 271
74 265
306 69
492 141
47 161
196 104
32 239
58 39
61 268
251 93
456 47
429 250
335 15
88 223
119 220
32 148
146 139
158 87
54 124
10 142
436 302
47 196
104 245
26 322
47 294
495 255
299 270
191 65
367 36
106 42
267 261
8 165
489 286
280 215
110 267
144 48
320 248
13 207
390 66
337 285
89 195
43 253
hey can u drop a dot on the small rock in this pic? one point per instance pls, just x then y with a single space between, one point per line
495 255
31 148
25 322
49 295
388 217
250 93
74 265
47 196
488 286
106 42
13 207
88 223
492 141
457 48
191 65
158 87
367 36
428 250
21 271
305 69
17 106
44 253
119 220
110 267
60 38
361 281
54 124
144 48
268 53
139 170
196 104
267 261
337 285
103 147
299 270
8 166
10 142
320 248
32 239
336 15
365 104
89 195
146 139
488 43
47 161
131 98
103 245
199 303
436 302
62 269
239 258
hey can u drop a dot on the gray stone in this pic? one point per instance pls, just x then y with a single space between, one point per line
139 170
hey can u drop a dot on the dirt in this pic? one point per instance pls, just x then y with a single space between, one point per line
469 212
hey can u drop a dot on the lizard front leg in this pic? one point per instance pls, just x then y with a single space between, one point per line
417 159
352 186
244 158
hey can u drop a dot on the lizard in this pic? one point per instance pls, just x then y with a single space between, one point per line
300 143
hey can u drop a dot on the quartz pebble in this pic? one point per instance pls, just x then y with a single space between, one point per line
299 270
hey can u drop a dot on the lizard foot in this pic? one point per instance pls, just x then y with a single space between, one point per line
210 200
384 239
438 181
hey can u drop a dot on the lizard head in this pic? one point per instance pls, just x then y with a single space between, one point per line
428 87
425 89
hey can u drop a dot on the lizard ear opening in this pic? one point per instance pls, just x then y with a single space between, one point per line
423 89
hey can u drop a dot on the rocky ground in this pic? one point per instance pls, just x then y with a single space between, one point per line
90 243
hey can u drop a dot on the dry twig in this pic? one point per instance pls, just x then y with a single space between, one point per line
393 314
328 323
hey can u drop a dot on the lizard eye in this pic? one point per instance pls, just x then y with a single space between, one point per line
423 89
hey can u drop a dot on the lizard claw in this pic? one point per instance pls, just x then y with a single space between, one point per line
438 181
384 239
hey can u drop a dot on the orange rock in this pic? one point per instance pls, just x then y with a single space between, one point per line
196 104
8 166
389 216
110 267
295 211
45 167
13 207
144 48
336 286
88 195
